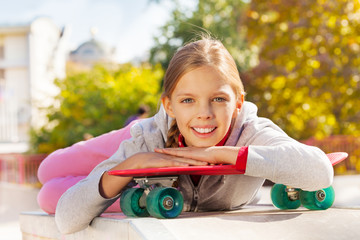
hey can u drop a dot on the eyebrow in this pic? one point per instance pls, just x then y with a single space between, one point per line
182 94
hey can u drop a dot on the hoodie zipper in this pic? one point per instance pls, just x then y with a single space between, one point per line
194 203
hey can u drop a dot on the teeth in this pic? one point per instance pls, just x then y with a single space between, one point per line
204 130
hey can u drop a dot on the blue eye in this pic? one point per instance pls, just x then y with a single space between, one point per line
187 100
219 99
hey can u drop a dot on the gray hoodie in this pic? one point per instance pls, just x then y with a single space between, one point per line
271 155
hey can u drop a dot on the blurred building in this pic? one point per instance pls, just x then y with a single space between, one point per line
92 52
32 55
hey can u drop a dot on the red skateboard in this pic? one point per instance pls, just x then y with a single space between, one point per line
157 197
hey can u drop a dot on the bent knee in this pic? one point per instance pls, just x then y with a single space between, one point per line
53 189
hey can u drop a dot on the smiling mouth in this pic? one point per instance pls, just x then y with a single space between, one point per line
204 130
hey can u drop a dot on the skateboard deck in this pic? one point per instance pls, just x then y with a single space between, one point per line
157 197
334 158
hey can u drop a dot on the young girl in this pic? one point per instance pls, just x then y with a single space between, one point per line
203 120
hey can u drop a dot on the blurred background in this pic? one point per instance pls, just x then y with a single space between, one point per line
73 70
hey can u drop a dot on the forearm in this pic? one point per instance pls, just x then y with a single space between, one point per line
80 204
292 164
226 155
110 186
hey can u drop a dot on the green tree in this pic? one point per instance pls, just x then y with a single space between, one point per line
97 102
219 18
308 77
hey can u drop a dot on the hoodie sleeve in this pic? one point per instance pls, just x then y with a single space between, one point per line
273 155
80 204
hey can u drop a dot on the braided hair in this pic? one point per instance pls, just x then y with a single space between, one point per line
172 136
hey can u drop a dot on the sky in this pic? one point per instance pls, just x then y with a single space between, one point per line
127 25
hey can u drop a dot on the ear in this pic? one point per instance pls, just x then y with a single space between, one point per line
167 105
240 102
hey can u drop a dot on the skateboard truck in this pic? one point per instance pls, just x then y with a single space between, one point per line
156 196
150 183
292 193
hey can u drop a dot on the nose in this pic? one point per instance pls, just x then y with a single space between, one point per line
205 111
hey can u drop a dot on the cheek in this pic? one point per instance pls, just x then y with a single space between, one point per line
229 112
181 120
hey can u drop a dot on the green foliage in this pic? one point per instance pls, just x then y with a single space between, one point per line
219 18
308 77
97 102
307 74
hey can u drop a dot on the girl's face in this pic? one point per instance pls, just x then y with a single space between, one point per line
203 104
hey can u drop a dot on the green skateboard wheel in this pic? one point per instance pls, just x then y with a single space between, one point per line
129 203
164 202
318 200
280 198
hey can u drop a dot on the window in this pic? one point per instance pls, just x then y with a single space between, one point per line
1 48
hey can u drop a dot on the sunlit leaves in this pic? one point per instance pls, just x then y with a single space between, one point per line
307 79
220 18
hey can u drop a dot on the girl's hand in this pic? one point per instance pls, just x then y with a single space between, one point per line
158 159
211 155
110 185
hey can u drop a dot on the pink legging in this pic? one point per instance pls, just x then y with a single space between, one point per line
65 167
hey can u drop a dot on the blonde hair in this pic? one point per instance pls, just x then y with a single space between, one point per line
204 52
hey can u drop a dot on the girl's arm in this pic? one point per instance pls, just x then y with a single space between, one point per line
110 186
282 160
80 204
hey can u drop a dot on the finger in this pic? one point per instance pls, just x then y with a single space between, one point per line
198 154
163 162
186 160
166 151
179 152
173 153
175 164
190 161
158 150
181 162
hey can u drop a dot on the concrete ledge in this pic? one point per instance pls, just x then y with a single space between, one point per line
260 221
37 225
255 222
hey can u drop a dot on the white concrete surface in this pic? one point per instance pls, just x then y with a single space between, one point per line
15 199
260 221
10 231
255 222
347 192
267 223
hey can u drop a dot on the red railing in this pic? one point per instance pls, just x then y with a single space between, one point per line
20 168
341 143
